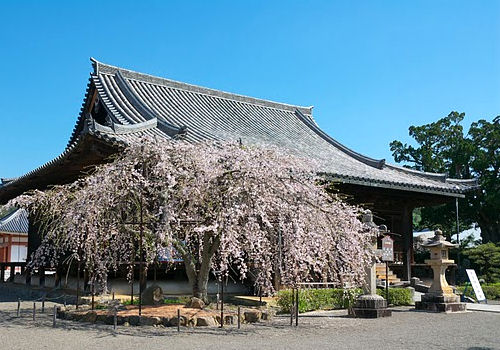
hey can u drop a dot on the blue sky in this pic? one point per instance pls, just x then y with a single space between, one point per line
370 68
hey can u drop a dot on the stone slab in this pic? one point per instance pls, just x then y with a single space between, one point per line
371 303
483 307
440 307
431 298
369 313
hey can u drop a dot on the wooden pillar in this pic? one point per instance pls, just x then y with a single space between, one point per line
86 286
9 248
41 274
143 277
12 272
58 275
28 277
34 236
407 232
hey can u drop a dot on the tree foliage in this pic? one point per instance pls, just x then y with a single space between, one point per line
444 147
485 259
221 206
5 210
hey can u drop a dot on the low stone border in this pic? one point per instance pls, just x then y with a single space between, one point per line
84 314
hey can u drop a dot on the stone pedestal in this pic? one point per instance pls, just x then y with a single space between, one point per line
370 306
443 303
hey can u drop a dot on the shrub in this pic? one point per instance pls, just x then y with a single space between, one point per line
397 296
485 259
318 299
491 291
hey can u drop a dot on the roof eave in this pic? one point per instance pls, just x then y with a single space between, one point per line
393 186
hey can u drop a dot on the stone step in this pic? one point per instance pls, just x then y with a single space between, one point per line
391 280
380 273
383 273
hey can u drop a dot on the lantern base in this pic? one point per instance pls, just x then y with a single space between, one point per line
370 306
433 297
440 307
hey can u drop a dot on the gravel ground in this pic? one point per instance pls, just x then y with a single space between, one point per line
321 330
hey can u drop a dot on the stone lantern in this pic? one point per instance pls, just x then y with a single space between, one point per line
370 305
440 297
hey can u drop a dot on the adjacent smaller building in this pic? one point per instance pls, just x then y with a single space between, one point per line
14 237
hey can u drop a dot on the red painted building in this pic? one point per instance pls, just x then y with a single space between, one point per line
14 236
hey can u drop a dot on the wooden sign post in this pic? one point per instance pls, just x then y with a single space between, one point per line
476 285
387 255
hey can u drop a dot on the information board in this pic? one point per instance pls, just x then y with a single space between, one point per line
476 285
387 249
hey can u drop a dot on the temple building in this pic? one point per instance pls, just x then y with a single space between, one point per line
14 236
121 106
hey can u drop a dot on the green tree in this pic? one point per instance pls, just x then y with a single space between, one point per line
485 259
485 164
443 147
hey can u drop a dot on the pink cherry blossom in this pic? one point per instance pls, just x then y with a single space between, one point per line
259 213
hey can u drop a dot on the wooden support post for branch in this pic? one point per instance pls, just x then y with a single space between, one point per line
34 311
178 320
141 272
218 296
28 278
54 317
239 317
85 280
297 309
18 307
93 291
12 273
222 304
41 274
132 287
78 284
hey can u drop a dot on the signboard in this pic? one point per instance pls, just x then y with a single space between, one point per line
476 285
387 249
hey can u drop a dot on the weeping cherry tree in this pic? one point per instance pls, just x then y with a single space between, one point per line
221 206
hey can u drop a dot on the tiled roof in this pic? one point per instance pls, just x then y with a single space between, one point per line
208 114
137 104
15 222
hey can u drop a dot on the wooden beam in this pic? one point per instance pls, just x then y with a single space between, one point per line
407 231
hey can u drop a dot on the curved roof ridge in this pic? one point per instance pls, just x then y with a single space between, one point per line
103 68
133 98
442 177
474 181
144 109
120 129
376 163
435 176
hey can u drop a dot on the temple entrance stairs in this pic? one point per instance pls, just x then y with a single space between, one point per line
380 271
